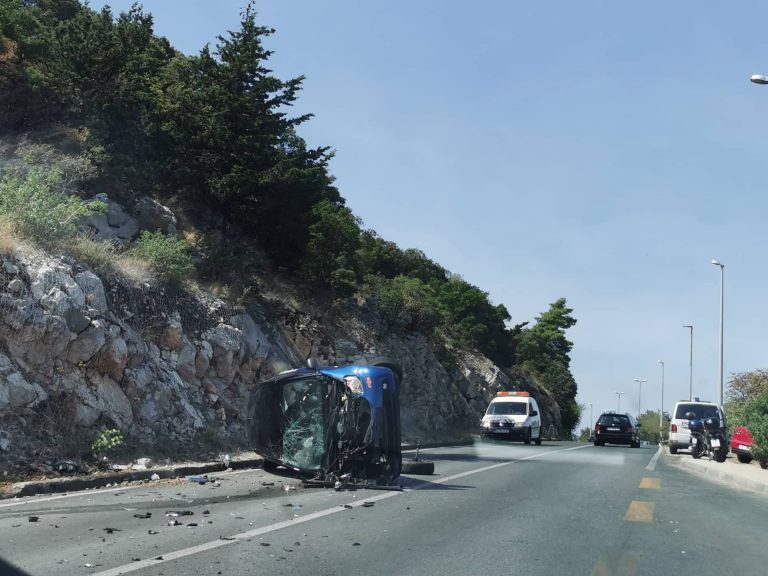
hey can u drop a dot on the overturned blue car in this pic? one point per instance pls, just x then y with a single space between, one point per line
339 423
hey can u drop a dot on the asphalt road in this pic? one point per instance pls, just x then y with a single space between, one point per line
493 508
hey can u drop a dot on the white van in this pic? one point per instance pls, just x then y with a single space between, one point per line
679 435
513 415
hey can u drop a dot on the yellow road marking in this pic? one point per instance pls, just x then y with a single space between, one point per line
650 483
613 564
640 511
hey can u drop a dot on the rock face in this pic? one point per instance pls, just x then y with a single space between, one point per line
167 367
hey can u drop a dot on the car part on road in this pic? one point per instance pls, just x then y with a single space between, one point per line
419 467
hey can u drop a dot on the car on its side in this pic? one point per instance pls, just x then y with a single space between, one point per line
679 434
613 428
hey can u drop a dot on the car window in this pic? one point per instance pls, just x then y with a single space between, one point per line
507 408
614 419
701 410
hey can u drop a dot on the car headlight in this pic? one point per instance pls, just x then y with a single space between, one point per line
354 385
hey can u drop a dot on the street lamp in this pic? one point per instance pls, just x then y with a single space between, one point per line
639 394
661 412
722 276
620 394
690 365
590 415
758 79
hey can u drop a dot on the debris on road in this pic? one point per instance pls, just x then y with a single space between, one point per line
33 518
143 516
152 532
368 504
112 530
155 477
198 479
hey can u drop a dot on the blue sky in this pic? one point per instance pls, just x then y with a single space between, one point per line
598 150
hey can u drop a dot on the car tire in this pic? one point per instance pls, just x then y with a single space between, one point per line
635 444
538 440
672 449
527 436
744 458
598 443
418 467
269 466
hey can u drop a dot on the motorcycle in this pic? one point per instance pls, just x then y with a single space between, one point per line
707 437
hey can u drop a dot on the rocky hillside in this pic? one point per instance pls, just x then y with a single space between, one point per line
80 353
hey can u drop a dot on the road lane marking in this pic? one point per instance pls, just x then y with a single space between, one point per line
650 483
615 565
640 511
652 464
213 544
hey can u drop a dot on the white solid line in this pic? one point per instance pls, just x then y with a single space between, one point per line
133 566
652 464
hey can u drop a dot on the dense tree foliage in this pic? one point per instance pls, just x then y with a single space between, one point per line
747 405
213 131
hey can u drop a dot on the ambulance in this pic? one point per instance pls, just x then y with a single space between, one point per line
513 416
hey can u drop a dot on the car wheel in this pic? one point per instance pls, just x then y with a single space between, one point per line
538 440
635 444
672 449
269 466
527 436
744 458
598 443
418 467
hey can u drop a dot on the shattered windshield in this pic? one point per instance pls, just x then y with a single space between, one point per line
289 421
303 423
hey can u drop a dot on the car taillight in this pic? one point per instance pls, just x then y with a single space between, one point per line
597 427
629 429
674 428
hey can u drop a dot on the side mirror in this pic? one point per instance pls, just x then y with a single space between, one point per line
638 425
534 413
690 415
666 417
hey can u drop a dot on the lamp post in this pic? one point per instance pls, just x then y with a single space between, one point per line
661 412
639 394
690 364
591 423
620 394
722 283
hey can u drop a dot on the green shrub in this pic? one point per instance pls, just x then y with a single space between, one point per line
107 442
168 255
39 212
755 417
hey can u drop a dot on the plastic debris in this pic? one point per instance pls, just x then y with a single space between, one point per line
33 518
174 522
152 532
368 504
154 477
143 516
66 466
146 462
198 479
112 530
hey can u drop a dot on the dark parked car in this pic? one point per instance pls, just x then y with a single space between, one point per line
612 428
331 423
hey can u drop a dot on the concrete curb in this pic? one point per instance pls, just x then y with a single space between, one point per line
724 472
75 483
